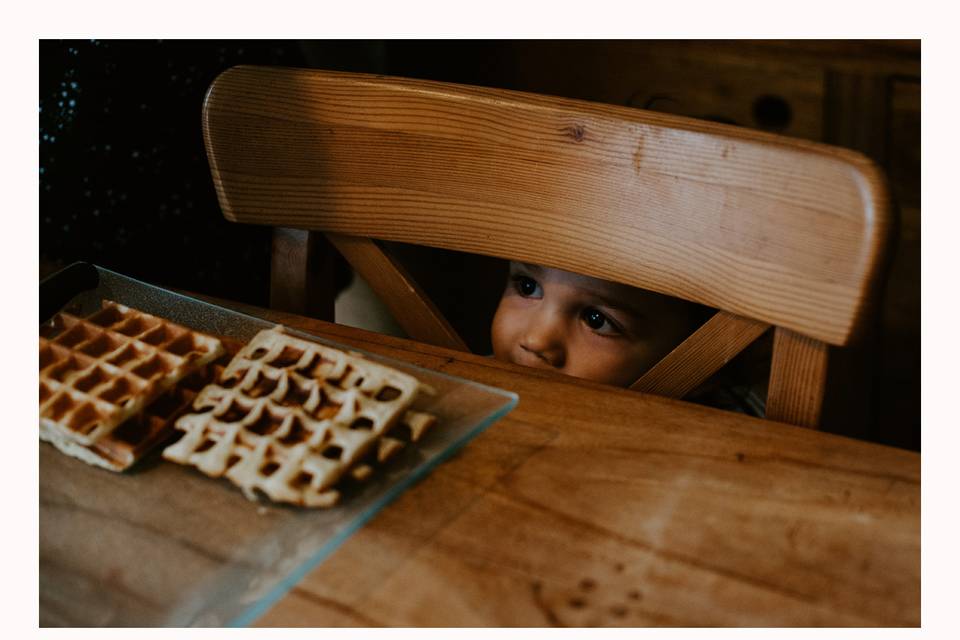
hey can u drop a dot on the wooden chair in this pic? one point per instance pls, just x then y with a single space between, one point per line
772 231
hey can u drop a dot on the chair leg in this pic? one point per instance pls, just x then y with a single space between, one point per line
798 375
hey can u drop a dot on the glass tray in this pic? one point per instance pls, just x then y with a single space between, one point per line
165 545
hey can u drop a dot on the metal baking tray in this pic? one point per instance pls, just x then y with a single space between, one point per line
163 544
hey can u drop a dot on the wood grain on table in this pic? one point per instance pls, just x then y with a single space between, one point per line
585 505
589 505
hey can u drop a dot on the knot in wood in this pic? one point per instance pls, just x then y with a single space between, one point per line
576 131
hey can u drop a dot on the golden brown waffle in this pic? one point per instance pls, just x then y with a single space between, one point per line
290 417
138 435
97 373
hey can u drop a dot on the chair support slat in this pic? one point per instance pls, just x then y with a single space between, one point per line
701 355
407 302
798 375
302 273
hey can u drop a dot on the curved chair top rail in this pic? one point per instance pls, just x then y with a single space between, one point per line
785 231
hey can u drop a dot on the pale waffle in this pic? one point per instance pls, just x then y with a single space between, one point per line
413 426
290 418
98 372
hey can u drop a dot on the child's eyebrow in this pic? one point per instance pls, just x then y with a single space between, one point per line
532 268
611 300
618 304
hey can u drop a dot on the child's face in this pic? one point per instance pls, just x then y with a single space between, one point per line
584 327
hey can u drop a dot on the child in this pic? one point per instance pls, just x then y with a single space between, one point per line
603 331
586 327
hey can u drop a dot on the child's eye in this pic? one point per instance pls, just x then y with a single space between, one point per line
525 286
599 322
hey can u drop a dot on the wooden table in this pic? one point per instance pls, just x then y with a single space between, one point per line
589 505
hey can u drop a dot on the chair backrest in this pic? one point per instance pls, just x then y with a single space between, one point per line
772 231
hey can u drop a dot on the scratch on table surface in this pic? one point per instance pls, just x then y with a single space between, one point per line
659 521
537 589
340 607
638 155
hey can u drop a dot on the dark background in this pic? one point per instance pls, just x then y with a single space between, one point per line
124 180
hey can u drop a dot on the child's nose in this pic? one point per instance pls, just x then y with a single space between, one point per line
543 339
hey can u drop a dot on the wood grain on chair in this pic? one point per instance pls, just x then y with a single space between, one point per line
779 231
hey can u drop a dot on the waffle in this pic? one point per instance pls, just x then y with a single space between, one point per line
103 371
386 448
290 418
136 436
